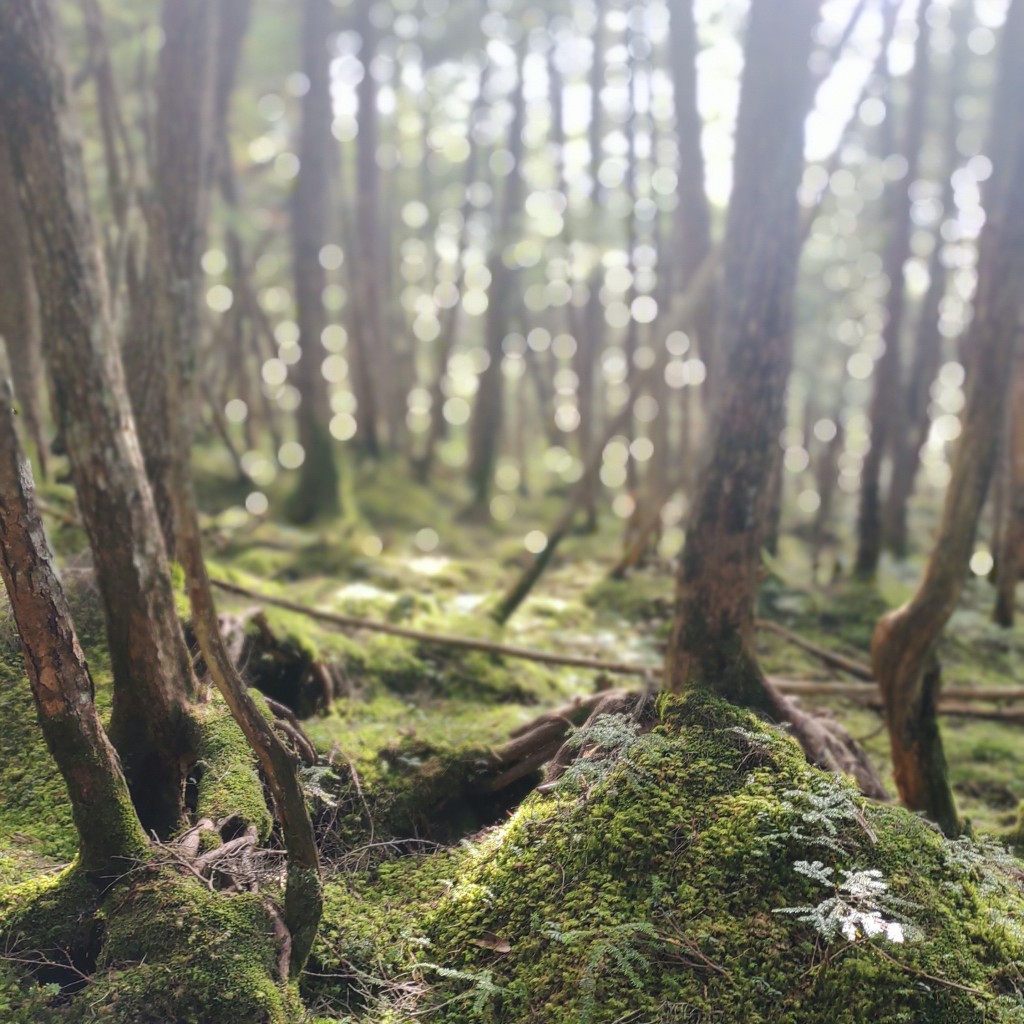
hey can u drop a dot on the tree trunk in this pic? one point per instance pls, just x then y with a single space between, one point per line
591 340
886 418
1008 553
449 324
488 409
713 637
904 643
152 672
318 491
110 835
927 354
19 312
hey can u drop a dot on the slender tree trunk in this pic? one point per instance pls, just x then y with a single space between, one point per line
153 682
713 638
886 418
176 221
110 835
375 348
591 339
19 312
927 354
318 491
1011 536
904 643
488 409
450 321
693 211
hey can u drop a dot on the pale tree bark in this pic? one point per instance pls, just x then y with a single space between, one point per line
904 642
886 406
176 222
19 312
488 408
153 681
317 493
110 835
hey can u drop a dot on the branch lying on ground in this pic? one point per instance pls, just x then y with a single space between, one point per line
953 702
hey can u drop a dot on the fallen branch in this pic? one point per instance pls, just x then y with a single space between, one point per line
855 668
863 692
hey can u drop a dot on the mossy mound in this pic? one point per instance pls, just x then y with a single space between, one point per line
653 884
158 947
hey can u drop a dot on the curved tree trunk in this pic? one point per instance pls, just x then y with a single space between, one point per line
903 646
318 490
152 671
110 835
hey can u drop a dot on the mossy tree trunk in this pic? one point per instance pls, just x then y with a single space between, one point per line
153 682
904 642
886 402
713 637
318 491
110 834
488 408
176 231
19 312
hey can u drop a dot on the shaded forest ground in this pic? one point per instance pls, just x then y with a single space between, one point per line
407 743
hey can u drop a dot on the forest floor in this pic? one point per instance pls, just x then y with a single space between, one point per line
407 743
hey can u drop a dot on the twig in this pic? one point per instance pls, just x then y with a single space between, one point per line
855 668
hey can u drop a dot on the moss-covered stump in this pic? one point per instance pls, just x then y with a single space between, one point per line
158 947
702 872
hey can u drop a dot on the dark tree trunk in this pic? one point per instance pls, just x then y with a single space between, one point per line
19 312
713 638
927 354
176 222
318 491
904 643
886 406
110 835
450 322
1011 536
374 348
488 408
591 339
152 672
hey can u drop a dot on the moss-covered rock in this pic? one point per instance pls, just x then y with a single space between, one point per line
676 881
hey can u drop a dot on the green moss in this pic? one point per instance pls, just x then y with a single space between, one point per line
227 771
650 890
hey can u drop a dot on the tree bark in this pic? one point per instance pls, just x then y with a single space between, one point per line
1008 554
152 672
886 405
19 312
904 642
713 637
176 223
488 409
318 491
110 835
927 354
